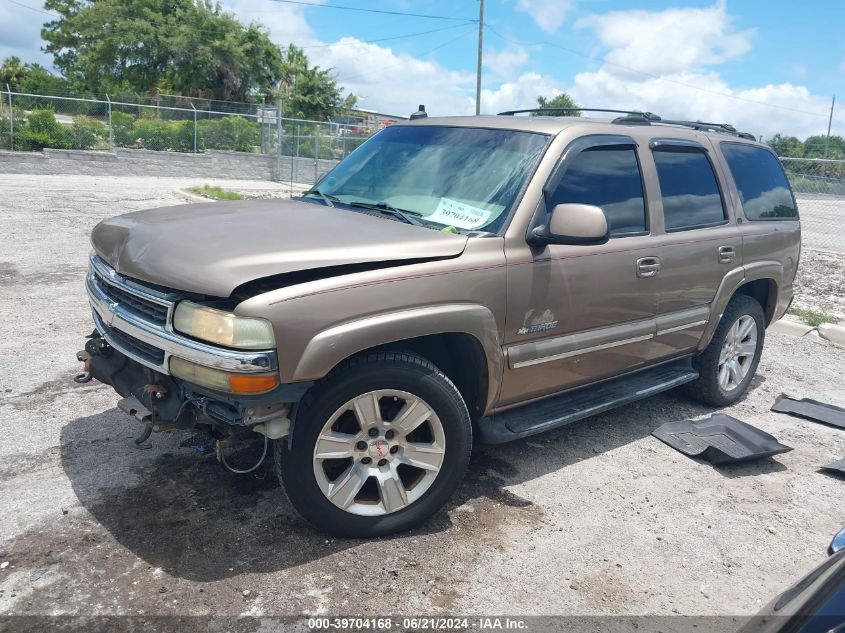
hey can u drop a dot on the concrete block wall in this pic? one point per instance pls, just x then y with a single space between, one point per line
134 162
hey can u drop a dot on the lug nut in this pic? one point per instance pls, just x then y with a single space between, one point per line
394 450
382 462
389 435
366 460
361 446
373 432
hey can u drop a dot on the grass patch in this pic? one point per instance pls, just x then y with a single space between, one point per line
216 193
813 317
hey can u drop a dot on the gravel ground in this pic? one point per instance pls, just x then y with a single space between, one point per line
597 518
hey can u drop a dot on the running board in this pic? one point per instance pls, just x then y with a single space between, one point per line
556 411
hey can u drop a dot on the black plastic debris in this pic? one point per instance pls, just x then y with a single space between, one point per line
719 440
837 467
811 410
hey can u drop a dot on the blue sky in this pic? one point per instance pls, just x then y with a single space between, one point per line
779 63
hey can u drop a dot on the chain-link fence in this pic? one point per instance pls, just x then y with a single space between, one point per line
819 187
31 122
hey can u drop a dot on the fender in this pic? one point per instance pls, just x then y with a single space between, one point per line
766 269
332 346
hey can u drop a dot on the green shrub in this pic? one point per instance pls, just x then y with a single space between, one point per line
230 133
123 129
19 121
87 133
156 134
42 130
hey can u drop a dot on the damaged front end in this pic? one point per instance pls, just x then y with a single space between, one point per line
168 380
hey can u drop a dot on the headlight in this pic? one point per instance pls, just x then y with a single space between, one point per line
222 380
223 328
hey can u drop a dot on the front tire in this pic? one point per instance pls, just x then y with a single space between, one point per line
728 364
378 446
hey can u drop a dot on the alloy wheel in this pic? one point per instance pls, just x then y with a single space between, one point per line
379 452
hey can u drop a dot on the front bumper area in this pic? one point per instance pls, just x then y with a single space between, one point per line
149 342
173 403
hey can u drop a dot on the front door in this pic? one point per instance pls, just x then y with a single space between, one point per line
578 314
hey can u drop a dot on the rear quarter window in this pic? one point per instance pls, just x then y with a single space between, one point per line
761 183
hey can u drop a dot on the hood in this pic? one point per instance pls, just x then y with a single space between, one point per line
213 248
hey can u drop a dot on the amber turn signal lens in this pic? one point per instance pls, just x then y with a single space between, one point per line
247 383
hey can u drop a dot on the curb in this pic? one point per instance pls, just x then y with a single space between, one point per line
791 328
192 197
834 333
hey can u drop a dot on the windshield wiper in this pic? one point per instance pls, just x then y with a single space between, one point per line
385 207
328 199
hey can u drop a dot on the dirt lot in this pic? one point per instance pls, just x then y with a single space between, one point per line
597 518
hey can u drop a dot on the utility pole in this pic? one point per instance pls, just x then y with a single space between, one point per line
480 47
829 122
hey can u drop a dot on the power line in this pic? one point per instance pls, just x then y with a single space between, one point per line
26 6
657 77
381 11
384 39
428 52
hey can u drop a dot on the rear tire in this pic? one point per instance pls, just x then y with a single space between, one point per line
378 446
728 364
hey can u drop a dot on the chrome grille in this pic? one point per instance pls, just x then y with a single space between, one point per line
155 312
133 297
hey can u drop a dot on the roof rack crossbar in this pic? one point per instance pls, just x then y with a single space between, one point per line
704 126
645 115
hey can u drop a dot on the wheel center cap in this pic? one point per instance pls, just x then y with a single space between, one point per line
378 449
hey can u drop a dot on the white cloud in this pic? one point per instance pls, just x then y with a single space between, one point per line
547 14
504 63
392 82
20 34
286 22
675 51
669 41
518 94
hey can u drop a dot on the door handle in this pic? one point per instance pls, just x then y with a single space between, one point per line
648 266
726 254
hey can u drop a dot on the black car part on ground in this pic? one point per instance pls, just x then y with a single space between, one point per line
811 410
719 440
837 467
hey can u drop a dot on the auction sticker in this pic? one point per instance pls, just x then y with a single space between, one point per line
459 214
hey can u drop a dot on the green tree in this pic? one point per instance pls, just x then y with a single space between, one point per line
814 147
561 100
310 92
189 46
788 146
12 72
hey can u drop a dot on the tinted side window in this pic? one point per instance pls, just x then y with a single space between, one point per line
689 188
608 178
761 182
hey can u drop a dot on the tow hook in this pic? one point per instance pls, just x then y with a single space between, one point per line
85 375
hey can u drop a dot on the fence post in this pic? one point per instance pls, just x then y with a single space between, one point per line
11 121
279 140
316 150
195 125
111 134
344 131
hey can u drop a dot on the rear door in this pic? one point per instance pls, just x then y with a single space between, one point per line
698 242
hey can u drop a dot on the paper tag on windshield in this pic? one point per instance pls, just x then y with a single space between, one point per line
459 214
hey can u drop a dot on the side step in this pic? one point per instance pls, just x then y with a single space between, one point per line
555 411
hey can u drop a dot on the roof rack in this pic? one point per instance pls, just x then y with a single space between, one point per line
637 117
647 115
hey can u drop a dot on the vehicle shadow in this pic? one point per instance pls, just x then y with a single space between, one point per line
186 514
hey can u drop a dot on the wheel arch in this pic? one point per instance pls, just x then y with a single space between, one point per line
461 340
762 281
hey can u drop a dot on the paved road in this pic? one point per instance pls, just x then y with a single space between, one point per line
599 518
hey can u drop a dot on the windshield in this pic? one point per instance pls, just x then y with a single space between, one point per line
463 178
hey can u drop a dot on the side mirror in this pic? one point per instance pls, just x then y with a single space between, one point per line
579 224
